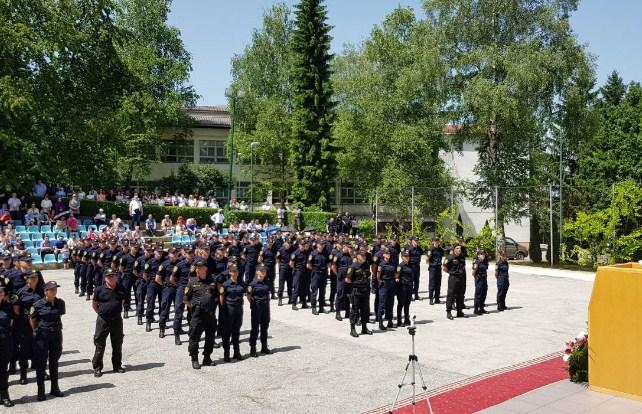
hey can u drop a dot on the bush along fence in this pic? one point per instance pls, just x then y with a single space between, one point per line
315 219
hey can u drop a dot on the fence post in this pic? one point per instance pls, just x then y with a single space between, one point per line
496 223
550 206
412 210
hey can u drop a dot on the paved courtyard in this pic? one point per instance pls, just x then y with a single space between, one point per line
317 367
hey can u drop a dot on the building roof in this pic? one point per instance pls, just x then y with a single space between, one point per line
210 116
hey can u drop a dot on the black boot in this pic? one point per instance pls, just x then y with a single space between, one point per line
41 391
338 316
253 353
207 362
381 327
88 298
237 354
482 310
304 305
76 290
399 324
177 340
353 331
195 364
331 307
148 327
416 296
449 315
140 320
390 325
4 398
161 332
55 391
461 314
280 301
432 301
314 310
216 344
265 349
273 297
226 355
365 330
12 368
82 293
126 314
23 375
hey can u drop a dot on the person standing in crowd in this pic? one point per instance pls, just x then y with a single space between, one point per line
501 273
358 277
181 278
404 277
108 304
140 285
258 294
39 189
217 219
231 299
150 225
285 271
14 206
434 261
100 218
46 205
318 266
455 266
415 252
280 215
46 321
165 278
340 265
298 261
74 205
154 289
127 263
28 295
267 258
386 281
201 299
480 273
8 311
135 210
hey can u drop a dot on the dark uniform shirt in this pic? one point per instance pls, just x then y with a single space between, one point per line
436 256
415 253
216 266
284 256
299 257
386 271
481 268
110 301
233 292
360 276
27 297
406 274
260 291
319 262
165 270
151 268
456 265
182 274
6 317
17 279
49 314
268 256
502 268
202 294
127 262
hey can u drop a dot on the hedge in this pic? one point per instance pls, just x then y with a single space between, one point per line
314 219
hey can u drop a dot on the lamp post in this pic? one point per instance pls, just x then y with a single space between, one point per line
252 145
231 94
561 217
238 174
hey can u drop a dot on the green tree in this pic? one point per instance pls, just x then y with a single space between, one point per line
389 130
312 153
261 80
510 62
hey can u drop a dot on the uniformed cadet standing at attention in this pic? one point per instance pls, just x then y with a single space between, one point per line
298 263
318 265
108 303
258 294
455 266
27 296
434 261
405 282
358 277
200 297
387 289
7 316
231 299
46 321
480 273
501 273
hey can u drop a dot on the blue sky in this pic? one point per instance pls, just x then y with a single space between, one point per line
215 30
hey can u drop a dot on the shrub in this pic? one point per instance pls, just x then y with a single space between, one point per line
576 358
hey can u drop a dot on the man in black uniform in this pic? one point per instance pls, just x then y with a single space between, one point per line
258 294
455 266
358 277
415 252
127 263
268 259
108 304
318 265
285 271
141 283
298 263
405 279
434 261
201 297
154 289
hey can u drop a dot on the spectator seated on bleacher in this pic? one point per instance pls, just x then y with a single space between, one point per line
150 225
100 218
5 215
46 247
72 223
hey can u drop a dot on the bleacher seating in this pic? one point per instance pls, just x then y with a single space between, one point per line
36 236
33 252
24 236
45 228
33 229
52 235
176 239
21 229
50 258
36 259
28 243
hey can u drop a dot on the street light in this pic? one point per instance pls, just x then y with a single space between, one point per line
252 145
561 218
238 174
232 94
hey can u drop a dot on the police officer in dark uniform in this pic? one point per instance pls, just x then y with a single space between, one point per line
27 296
434 261
285 271
165 278
231 299
455 266
14 280
127 263
501 273
108 302
318 265
182 276
298 263
46 321
258 294
267 258
201 297
80 268
480 273
141 283
387 290
251 254
341 265
333 251
358 277
415 258
405 280
93 254
8 310
154 289
377 258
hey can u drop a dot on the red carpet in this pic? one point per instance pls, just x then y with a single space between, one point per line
486 390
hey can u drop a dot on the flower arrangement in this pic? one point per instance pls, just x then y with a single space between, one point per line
576 357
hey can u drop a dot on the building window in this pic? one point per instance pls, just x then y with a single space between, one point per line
212 152
243 190
179 151
350 195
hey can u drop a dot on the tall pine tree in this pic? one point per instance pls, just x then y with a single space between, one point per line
312 153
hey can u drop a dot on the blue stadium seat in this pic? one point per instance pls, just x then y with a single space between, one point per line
52 235
83 234
126 226
36 236
224 232
64 235
17 222
176 239
87 222
33 229
50 258
185 239
45 228
82 227
92 226
21 229
28 243
35 258
24 236
37 244
34 252
263 235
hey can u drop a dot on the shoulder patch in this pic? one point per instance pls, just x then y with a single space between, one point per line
32 311
293 256
349 270
249 289
175 269
146 266
309 258
192 268
186 290
398 268
221 289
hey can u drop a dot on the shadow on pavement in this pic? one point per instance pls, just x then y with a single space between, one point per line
76 373
144 367
71 351
73 362
88 388
285 349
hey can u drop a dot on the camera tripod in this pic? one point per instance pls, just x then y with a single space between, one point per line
413 364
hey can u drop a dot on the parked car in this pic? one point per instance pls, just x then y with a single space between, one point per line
515 250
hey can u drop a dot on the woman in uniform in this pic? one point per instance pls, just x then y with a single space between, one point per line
46 321
231 297
501 273
27 295
8 313
480 273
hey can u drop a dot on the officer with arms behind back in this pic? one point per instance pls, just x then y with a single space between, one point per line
258 294
501 273
358 277
480 273
455 266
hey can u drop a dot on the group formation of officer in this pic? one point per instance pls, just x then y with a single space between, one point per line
30 327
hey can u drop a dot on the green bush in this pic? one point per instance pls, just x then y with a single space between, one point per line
578 363
262 216
316 219
485 239
367 228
